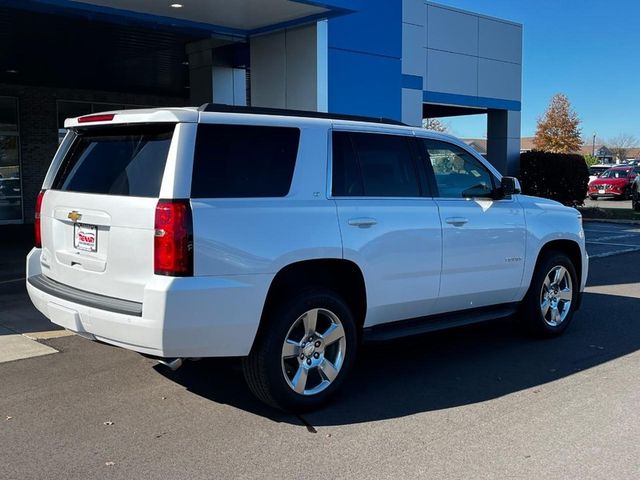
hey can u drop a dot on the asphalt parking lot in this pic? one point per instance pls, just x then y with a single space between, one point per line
606 239
478 402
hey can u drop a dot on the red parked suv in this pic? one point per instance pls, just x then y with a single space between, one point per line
614 183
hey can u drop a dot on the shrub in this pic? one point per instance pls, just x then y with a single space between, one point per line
559 176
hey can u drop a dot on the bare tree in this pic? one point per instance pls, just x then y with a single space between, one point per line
558 131
435 124
621 144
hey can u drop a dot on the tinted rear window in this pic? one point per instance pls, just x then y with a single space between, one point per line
240 161
126 161
373 165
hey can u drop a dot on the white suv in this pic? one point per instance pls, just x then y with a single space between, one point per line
286 238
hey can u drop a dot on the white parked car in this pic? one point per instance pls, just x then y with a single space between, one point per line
596 170
286 238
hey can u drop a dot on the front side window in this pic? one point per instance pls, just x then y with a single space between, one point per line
243 161
373 165
458 174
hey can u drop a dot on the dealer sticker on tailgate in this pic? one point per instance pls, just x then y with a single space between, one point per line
85 237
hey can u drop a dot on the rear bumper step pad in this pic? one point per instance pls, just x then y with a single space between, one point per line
102 302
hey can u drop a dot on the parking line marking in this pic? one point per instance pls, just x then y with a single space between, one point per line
617 237
12 281
617 252
612 244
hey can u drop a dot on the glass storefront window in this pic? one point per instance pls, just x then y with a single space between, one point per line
10 182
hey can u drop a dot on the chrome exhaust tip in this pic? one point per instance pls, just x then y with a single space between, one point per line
172 364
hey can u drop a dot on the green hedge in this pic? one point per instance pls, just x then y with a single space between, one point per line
559 176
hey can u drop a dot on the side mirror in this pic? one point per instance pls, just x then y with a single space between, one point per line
510 186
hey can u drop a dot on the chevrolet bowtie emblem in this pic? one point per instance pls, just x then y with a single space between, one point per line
74 216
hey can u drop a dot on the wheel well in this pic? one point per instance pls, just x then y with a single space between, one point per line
570 248
342 276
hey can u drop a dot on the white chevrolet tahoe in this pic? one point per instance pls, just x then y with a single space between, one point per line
286 238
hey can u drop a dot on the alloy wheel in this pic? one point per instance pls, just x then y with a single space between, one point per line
313 351
556 296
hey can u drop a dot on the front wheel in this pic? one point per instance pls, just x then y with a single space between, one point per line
305 350
635 200
548 307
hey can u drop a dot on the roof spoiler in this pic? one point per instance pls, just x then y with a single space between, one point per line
222 108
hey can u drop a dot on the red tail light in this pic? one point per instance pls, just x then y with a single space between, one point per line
173 243
37 231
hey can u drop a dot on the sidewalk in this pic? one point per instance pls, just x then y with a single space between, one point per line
21 325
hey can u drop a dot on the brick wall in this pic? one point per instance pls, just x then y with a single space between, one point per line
37 113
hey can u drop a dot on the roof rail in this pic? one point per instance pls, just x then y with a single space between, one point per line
222 108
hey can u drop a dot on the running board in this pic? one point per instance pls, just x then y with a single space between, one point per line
433 323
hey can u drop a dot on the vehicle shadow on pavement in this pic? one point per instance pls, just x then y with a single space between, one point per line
446 369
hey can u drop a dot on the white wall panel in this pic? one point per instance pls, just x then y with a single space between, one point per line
412 106
500 41
451 30
284 69
452 73
499 79
268 70
301 68
413 11
413 54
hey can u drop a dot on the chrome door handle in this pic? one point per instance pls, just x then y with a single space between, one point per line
456 221
363 222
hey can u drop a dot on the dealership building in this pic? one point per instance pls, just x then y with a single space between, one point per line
400 59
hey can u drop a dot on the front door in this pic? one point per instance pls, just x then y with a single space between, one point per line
483 238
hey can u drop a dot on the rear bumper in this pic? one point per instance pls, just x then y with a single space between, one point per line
179 317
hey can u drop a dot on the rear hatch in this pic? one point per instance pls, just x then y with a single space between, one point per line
97 216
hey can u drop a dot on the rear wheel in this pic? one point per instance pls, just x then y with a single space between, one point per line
304 352
549 304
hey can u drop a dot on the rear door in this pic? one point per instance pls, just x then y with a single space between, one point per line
98 212
389 223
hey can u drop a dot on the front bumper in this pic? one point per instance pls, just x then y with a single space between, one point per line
179 317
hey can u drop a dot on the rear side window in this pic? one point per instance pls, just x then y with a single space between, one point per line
127 161
373 165
242 161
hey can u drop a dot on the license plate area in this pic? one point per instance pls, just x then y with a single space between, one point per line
601 190
85 237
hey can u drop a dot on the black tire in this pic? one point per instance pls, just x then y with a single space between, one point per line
530 315
263 368
635 201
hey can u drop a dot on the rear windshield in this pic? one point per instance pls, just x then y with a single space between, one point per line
126 161
241 161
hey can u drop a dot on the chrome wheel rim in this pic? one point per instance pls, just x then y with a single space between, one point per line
313 351
556 296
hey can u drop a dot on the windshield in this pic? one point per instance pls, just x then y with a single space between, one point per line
616 173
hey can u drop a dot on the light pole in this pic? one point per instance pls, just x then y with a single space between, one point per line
593 146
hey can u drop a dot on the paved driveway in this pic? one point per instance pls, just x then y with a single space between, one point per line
478 402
